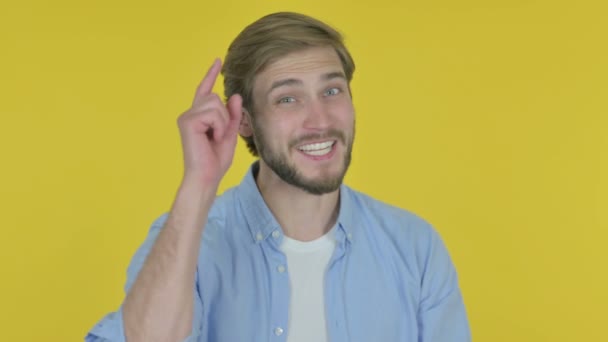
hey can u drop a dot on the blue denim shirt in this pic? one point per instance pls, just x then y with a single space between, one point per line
390 278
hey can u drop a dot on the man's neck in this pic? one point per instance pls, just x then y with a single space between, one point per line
302 216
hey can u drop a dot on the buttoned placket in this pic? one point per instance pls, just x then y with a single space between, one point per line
334 298
279 284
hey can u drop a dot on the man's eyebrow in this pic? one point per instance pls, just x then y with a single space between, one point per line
285 82
332 75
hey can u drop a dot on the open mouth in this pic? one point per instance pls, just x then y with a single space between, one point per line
319 149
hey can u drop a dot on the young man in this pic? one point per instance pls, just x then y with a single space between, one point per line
290 254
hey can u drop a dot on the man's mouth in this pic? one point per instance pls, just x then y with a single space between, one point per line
317 149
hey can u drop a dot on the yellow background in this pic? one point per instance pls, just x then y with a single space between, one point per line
488 118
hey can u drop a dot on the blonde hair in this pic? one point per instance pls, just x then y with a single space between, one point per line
268 39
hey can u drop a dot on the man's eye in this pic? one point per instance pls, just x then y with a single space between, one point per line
332 91
287 99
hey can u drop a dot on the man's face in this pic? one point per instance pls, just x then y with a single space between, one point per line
303 124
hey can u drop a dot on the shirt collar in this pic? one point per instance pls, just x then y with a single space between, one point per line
260 220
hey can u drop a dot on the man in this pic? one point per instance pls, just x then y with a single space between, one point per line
290 254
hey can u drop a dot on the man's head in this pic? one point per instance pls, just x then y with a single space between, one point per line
293 73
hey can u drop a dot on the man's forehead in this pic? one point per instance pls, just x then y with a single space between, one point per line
308 62
305 58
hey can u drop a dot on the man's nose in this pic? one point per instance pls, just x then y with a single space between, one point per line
317 115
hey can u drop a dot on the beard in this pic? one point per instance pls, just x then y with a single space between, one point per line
280 165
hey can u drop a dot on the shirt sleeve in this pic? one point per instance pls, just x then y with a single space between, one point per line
111 328
442 316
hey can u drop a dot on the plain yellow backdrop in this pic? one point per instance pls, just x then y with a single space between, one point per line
488 118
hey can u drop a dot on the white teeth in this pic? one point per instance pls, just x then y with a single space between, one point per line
318 152
314 149
317 149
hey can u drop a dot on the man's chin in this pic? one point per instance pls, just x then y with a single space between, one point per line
319 189
317 186
313 179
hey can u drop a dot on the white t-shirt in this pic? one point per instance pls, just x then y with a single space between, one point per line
307 264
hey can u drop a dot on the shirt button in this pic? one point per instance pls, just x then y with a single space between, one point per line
276 234
259 236
281 268
278 331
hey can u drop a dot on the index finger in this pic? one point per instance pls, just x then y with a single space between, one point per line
209 80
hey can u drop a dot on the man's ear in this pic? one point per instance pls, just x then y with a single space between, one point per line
245 128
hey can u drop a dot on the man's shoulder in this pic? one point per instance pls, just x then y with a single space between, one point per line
368 204
386 216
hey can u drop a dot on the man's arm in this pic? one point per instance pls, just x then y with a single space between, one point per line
159 306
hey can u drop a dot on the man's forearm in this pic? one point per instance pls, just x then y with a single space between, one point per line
160 304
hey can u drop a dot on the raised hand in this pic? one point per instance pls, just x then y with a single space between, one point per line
209 131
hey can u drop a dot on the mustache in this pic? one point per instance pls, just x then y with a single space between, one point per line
329 134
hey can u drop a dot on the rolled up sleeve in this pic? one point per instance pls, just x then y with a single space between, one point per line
110 328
